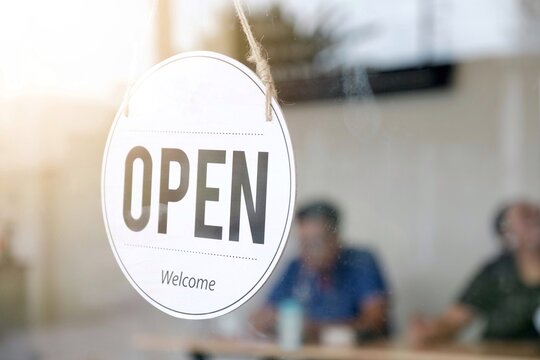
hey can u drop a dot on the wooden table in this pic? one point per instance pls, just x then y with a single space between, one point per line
381 351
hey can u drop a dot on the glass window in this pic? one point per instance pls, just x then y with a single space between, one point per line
416 133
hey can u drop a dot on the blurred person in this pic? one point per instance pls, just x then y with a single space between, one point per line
505 292
335 285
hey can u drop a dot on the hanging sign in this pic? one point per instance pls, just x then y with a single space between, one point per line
198 188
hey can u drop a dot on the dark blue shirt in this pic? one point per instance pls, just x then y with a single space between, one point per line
336 297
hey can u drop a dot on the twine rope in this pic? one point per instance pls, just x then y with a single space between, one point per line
262 68
255 56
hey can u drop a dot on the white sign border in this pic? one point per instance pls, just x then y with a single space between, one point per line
278 116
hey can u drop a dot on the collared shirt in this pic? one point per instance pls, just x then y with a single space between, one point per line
337 296
508 305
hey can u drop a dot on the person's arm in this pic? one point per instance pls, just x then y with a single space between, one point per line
478 297
373 315
373 301
441 329
371 321
264 319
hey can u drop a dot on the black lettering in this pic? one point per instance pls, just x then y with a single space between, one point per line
167 195
240 183
165 276
133 224
205 194
202 284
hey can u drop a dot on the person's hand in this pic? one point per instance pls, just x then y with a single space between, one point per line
421 331
312 332
424 331
264 321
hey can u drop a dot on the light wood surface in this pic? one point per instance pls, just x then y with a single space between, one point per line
381 351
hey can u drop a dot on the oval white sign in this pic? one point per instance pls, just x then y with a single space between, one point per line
198 189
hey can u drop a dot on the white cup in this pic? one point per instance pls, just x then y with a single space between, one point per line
338 336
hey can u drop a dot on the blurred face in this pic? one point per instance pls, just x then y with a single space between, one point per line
318 244
522 225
